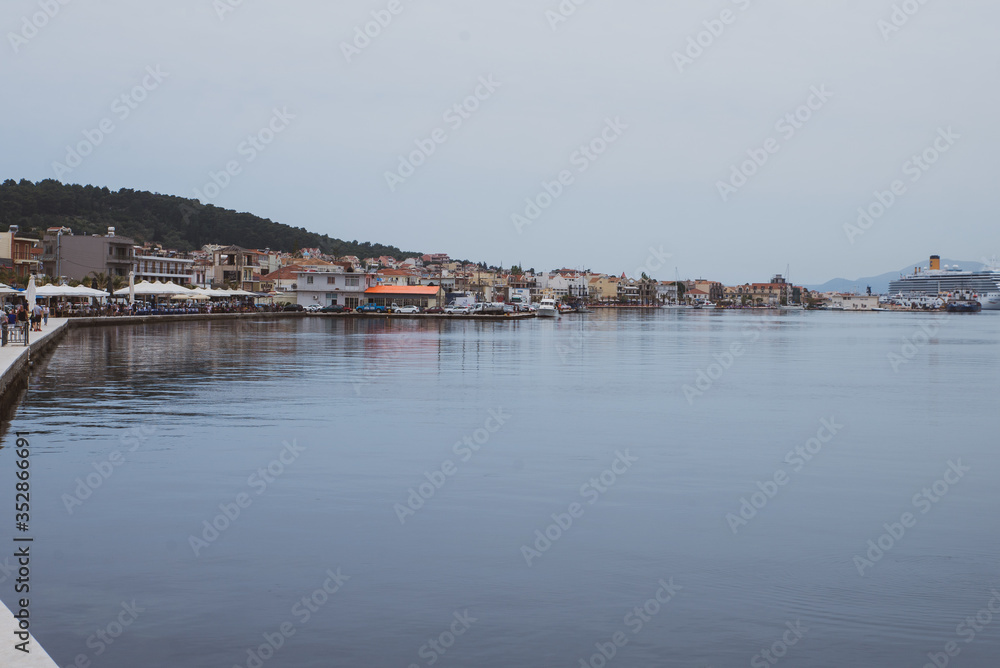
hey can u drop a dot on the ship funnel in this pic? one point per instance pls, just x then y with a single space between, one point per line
935 262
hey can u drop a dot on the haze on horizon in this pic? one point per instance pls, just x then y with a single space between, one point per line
215 72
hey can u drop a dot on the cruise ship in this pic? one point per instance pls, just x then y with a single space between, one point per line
933 281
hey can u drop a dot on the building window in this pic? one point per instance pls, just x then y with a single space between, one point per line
309 280
352 281
330 280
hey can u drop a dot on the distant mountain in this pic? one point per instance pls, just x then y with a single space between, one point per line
880 284
175 222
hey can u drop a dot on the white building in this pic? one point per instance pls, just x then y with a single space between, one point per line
331 287
151 265
666 292
854 302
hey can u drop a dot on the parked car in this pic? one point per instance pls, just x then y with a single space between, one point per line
293 307
371 308
313 308
334 308
406 309
455 309
434 309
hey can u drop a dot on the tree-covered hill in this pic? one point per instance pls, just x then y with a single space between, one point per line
175 222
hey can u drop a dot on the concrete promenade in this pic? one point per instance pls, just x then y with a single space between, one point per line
13 371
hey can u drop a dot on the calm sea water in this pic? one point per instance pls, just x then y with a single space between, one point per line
406 467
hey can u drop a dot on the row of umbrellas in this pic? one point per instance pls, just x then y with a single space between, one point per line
156 288
142 288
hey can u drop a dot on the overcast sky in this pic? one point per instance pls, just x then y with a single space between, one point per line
340 110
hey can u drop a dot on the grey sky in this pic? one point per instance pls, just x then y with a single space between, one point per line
655 185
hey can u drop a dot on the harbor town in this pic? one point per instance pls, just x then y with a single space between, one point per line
75 274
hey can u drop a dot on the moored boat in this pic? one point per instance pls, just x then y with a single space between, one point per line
547 308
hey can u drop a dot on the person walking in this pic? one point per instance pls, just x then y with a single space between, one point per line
45 315
36 317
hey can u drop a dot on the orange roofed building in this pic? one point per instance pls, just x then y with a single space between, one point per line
424 296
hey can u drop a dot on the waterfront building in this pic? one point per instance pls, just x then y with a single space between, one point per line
232 265
75 257
666 292
331 287
775 293
154 263
19 255
850 302
424 296
603 288
715 290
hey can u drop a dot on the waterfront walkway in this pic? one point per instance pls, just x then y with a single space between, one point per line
14 362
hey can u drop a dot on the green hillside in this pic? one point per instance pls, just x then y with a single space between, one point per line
175 222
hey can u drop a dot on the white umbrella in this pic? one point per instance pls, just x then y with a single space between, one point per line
31 291
7 290
55 291
147 288
83 291
131 288
195 296
176 289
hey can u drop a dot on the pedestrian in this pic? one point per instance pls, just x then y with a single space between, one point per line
45 315
36 317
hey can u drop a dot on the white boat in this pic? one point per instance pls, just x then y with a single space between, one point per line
547 308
